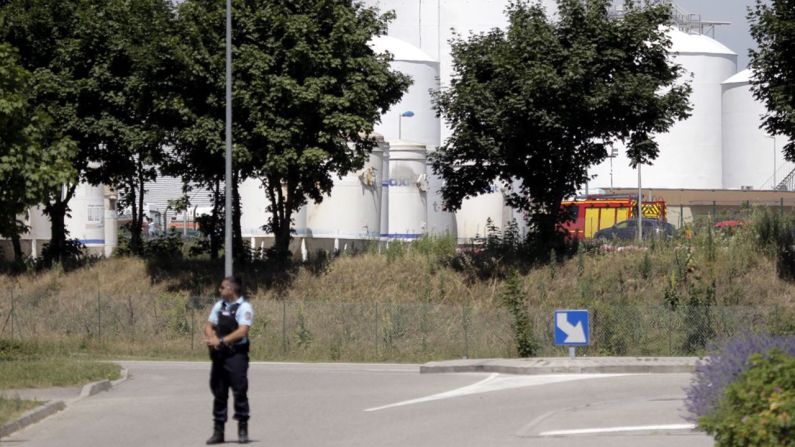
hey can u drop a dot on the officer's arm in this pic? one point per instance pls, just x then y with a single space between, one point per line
209 335
240 333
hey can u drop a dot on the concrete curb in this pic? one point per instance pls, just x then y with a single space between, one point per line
582 365
98 387
50 408
31 417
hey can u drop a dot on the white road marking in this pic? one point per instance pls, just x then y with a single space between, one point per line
498 382
591 431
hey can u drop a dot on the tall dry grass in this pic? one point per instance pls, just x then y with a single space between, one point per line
665 298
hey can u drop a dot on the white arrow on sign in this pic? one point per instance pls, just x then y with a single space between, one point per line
574 334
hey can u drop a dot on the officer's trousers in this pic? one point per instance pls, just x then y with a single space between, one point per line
229 370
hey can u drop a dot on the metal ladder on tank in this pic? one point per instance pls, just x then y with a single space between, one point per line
788 184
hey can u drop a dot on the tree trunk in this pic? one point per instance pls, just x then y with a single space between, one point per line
280 220
18 257
136 243
56 210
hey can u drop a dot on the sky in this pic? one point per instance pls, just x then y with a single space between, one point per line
736 36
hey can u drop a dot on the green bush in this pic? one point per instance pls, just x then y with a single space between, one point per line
758 409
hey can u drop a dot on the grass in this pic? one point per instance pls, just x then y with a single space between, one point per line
12 408
47 373
411 303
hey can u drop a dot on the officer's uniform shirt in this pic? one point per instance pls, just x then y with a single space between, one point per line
244 314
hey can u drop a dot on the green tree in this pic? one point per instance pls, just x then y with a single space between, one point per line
134 71
34 159
102 70
773 65
49 35
199 146
311 90
533 107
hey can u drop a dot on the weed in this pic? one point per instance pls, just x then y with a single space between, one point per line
645 268
513 297
303 336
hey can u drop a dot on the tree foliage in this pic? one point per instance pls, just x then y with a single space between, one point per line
198 155
134 70
773 64
51 38
103 71
315 90
534 106
34 158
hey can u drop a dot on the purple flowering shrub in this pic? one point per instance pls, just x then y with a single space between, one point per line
757 408
726 362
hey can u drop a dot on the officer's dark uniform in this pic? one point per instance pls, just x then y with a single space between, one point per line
230 362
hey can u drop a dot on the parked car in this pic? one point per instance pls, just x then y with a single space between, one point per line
628 230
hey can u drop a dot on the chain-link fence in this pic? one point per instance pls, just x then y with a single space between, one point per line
374 330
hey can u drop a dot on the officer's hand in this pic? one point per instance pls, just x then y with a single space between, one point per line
214 342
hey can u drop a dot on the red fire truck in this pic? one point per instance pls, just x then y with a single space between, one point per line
590 214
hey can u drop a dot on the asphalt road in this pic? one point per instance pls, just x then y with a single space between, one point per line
168 404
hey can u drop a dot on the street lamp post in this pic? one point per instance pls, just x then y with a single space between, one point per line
613 154
640 207
407 114
228 270
773 137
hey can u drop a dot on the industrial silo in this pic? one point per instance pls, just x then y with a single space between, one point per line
691 152
87 221
254 214
408 186
352 211
420 42
476 212
752 159
111 229
414 119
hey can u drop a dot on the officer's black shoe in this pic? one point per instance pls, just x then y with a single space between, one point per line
218 434
242 432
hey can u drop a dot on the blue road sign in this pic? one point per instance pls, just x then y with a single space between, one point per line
572 328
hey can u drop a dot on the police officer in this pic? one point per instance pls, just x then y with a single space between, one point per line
226 332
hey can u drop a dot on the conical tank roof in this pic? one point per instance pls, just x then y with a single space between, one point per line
401 50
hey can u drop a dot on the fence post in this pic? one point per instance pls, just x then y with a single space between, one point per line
284 326
465 321
376 329
99 319
132 317
670 330
681 216
781 206
13 316
192 327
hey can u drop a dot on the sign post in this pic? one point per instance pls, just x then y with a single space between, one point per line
572 329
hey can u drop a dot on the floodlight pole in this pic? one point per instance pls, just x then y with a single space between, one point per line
228 271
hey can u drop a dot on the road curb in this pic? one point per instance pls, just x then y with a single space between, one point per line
31 417
610 365
50 408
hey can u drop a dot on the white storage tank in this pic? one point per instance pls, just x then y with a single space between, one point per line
254 211
111 221
420 123
408 185
691 152
353 208
253 205
750 155
87 221
476 211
